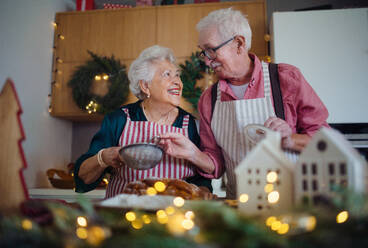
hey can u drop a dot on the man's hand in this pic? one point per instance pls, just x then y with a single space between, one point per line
281 126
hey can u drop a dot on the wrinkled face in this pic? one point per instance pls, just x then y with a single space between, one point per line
166 85
224 64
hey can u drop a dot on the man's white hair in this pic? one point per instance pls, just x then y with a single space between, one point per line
229 23
143 68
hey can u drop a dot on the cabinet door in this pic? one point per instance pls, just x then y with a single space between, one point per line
176 26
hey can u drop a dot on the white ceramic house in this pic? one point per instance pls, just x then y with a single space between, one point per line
329 159
251 174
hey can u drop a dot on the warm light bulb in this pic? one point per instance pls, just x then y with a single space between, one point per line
130 216
97 77
82 233
61 37
162 217
270 220
82 221
273 197
284 228
243 198
170 210
26 224
189 215
137 224
160 186
54 24
59 60
105 77
271 177
187 224
276 225
268 188
178 201
342 217
146 219
151 191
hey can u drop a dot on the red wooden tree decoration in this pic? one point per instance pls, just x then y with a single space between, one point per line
13 189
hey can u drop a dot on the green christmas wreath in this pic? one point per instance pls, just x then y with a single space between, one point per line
83 77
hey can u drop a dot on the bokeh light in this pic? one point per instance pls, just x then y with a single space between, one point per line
82 221
130 216
178 201
273 197
160 186
271 177
243 198
342 217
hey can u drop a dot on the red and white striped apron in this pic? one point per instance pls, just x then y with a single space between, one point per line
228 122
169 167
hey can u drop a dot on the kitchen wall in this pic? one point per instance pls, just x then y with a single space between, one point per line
26 39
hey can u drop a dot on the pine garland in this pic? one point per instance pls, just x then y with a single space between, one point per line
83 77
191 72
54 224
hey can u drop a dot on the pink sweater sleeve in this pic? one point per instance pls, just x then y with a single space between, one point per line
304 110
208 141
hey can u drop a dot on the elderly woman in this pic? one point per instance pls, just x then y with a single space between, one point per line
154 79
244 96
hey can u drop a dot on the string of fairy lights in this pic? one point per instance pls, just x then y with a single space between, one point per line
92 105
57 60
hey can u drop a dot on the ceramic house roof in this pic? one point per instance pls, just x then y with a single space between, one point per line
335 140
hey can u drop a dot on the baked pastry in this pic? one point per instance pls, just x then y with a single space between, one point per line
174 187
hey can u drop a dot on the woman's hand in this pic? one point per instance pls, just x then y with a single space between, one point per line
90 170
110 157
177 145
281 126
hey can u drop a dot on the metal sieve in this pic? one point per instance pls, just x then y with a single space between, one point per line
142 156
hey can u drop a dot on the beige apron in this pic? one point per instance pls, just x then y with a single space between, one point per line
228 121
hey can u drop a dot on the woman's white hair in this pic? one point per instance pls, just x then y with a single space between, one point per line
143 68
229 23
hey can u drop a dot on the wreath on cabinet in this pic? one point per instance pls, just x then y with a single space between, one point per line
106 70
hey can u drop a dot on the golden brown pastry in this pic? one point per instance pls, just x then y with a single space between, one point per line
174 187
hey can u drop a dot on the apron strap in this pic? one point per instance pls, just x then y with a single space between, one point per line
276 91
214 96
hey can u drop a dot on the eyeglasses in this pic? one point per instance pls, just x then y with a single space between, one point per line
210 53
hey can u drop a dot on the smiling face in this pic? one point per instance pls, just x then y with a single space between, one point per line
225 64
166 85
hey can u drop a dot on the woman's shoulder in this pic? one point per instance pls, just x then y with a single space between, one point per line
120 112
182 112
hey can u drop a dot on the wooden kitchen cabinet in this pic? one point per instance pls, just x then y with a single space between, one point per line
124 33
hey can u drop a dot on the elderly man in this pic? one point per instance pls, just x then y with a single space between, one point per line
243 96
